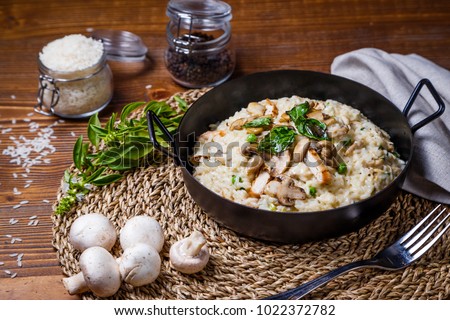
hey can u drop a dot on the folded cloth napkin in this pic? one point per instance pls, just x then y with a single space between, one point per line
395 76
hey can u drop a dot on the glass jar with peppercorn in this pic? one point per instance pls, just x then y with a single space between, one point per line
199 37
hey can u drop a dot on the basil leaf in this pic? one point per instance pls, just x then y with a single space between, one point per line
313 128
260 122
298 112
309 127
277 140
106 179
77 153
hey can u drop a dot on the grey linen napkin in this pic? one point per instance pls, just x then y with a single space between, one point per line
395 76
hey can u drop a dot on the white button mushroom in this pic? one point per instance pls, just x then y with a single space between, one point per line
140 265
190 255
91 230
99 273
142 229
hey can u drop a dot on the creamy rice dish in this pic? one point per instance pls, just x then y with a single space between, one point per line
296 154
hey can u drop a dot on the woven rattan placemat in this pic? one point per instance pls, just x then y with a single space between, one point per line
242 268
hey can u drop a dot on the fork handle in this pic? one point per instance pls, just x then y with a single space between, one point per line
307 287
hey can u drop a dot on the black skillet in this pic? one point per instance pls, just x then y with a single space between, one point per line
292 227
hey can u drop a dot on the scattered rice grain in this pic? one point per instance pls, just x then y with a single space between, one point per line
13 221
13 121
15 176
6 130
1 263
30 114
19 264
46 201
13 97
26 186
24 202
7 272
32 217
72 134
8 235
17 206
26 120
12 255
14 275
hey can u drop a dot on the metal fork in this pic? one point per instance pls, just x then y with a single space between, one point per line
401 254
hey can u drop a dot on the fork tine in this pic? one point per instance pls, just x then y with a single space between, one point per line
413 230
425 229
429 244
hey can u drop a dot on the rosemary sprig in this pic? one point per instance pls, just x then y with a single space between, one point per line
122 144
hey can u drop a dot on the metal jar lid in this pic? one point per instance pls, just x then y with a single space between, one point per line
208 13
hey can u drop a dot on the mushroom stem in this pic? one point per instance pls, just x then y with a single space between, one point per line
75 284
193 244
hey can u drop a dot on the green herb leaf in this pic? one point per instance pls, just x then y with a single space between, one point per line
77 153
309 127
96 174
92 134
342 168
181 103
128 109
106 179
298 112
277 140
313 128
110 124
252 138
259 122
233 179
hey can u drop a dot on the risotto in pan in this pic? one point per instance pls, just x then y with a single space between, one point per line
296 154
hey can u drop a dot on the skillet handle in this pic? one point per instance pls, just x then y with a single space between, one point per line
437 114
153 119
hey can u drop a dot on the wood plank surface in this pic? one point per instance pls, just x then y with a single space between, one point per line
267 35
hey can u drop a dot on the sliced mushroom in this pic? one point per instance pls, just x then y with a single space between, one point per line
300 149
272 188
338 132
256 109
249 149
256 131
326 149
285 117
196 159
239 123
316 114
259 184
271 108
352 148
255 164
288 192
209 135
315 164
280 163
329 121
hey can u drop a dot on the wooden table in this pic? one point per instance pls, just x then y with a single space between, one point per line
267 34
